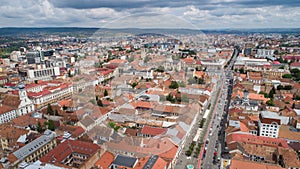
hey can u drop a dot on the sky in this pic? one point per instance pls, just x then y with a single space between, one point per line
193 14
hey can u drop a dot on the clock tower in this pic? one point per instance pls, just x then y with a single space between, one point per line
22 92
26 105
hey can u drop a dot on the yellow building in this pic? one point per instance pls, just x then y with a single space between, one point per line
34 150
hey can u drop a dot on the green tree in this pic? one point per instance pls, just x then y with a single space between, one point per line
92 101
160 68
173 85
170 98
146 59
105 93
242 70
39 127
270 102
287 76
272 92
49 110
56 113
134 84
184 98
99 103
131 59
50 125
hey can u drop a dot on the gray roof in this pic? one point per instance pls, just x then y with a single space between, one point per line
150 163
125 161
35 145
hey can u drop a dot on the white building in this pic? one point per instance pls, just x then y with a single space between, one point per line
7 113
264 53
51 93
42 73
14 56
26 105
19 101
269 123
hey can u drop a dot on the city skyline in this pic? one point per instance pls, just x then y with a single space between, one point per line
216 14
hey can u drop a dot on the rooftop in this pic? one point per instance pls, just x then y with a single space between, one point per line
34 145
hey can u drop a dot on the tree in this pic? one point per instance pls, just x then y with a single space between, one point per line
56 113
160 68
173 85
49 110
287 76
92 101
270 102
134 84
170 98
39 127
184 98
146 59
192 81
50 125
64 107
272 92
201 81
105 93
99 103
131 59
242 71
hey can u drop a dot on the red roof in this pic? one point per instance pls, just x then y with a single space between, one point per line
105 160
252 139
60 152
153 131
290 57
276 62
295 64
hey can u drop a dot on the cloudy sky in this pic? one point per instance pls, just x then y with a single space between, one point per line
195 14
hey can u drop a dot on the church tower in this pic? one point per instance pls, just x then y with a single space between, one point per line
26 105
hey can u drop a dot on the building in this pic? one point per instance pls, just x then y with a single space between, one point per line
42 73
264 53
7 113
73 154
34 150
295 65
34 57
269 124
10 136
21 103
124 162
50 92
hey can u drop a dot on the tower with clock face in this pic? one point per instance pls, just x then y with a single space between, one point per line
26 105
22 92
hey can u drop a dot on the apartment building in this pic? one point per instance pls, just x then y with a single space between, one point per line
7 113
50 92
269 124
34 150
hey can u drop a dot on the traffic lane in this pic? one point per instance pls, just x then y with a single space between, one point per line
211 147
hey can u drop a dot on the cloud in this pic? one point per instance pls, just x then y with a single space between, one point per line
202 14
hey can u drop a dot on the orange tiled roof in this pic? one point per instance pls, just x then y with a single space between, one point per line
105 160
252 139
67 147
5 109
153 131
241 164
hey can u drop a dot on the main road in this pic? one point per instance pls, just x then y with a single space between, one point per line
210 147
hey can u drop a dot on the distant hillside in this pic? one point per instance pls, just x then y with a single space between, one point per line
89 31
